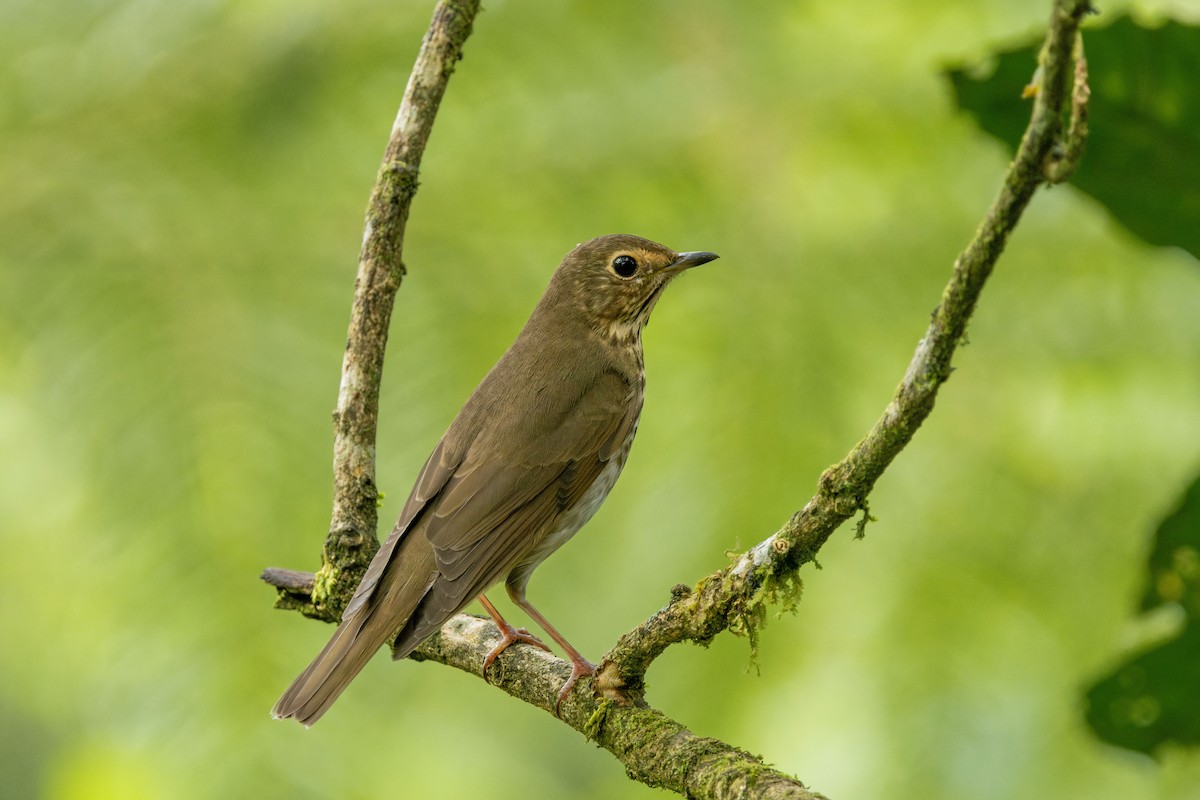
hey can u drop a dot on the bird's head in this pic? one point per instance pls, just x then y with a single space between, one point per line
617 280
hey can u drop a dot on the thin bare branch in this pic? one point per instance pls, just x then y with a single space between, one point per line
289 579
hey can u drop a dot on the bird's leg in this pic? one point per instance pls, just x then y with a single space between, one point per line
508 635
579 665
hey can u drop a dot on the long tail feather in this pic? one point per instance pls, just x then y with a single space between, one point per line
403 584
347 652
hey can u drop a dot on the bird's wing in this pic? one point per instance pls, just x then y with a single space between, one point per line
489 513
480 513
553 467
438 469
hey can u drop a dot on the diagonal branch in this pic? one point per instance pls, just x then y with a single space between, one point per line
736 597
655 749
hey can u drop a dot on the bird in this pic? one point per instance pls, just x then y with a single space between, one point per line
524 465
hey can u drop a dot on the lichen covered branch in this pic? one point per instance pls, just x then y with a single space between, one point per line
654 748
736 597
352 538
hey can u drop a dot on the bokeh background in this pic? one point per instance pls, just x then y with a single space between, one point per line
183 195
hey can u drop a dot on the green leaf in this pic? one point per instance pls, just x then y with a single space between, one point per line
1151 699
1174 565
1143 163
1143 154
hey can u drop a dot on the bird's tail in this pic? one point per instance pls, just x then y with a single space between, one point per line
408 572
348 651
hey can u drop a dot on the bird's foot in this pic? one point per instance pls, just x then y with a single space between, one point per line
579 668
508 636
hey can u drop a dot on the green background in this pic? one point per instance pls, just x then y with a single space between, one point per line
1145 102
183 193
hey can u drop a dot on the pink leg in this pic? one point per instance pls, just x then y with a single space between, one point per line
579 665
508 635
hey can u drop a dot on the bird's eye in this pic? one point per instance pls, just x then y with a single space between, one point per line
625 266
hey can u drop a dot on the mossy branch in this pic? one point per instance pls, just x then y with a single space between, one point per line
655 749
352 538
727 599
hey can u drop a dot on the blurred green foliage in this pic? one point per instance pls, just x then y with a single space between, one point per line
184 193
1144 166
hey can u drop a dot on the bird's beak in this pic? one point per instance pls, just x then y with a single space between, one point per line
692 259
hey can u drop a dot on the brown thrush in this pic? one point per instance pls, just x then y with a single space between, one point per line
524 465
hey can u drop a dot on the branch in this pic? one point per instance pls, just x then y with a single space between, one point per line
351 541
655 749
736 597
